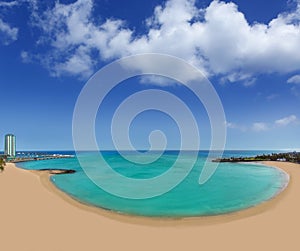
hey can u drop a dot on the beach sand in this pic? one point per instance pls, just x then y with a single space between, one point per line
35 216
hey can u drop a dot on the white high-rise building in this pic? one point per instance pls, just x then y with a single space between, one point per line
10 145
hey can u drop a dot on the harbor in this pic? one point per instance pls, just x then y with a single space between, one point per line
37 157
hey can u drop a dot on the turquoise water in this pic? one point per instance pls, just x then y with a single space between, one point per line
233 186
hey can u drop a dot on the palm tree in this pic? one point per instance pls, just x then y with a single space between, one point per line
2 164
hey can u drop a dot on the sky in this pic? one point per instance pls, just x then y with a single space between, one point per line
249 50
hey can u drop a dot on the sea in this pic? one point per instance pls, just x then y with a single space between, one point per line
233 187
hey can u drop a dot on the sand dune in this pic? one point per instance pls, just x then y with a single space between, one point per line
35 216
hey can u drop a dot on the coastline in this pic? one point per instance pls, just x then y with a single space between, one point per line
168 221
63 208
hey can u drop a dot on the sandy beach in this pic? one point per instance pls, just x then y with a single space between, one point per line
35 216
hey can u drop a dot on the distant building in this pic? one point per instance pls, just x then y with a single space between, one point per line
282 160
10 145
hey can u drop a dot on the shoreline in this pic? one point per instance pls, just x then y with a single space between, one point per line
35 215
45 176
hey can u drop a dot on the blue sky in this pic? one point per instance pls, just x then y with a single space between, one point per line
249 50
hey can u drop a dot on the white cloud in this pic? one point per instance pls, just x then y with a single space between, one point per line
8 4
264 126
260 127
80 61
218 39
25 57
8 34
73 38
156 80
286 121
294 80
231 125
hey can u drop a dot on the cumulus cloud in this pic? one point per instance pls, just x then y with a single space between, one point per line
8 4
8 34
231 125
156 80
260 127
294 80
25 57
286 121
218 39
80 61
77 44
264 126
